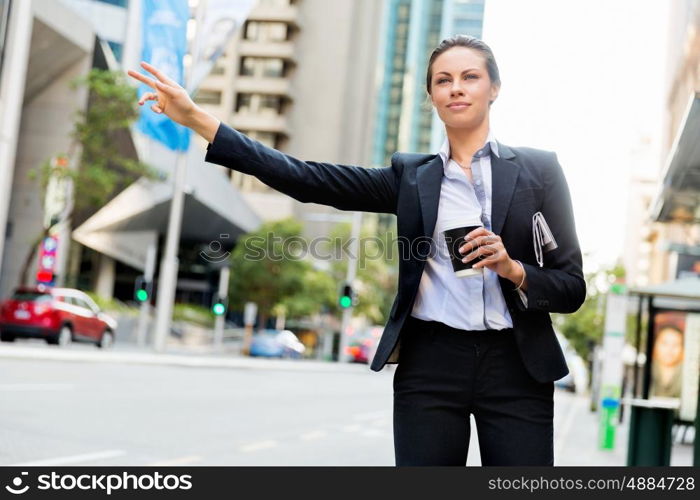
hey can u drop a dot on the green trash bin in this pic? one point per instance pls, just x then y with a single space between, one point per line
650 433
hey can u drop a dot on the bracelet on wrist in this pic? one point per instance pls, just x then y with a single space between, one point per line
523 280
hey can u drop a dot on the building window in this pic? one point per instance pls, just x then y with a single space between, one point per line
263 67
273 68
247 66
243 102
208 97
260 31
271 103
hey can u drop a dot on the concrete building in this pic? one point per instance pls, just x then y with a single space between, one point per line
300 77
676 204
48 43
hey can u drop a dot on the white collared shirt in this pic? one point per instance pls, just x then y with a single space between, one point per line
469 303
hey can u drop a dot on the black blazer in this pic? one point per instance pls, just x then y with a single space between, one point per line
525 181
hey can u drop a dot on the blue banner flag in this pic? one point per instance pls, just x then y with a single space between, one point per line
164 41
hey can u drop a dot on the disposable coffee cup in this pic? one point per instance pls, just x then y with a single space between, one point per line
454 238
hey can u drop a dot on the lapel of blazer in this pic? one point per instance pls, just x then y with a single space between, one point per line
504 175
429 180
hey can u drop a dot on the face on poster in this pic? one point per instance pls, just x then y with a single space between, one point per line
668 355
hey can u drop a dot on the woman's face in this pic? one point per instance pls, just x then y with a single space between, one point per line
668 347
459 75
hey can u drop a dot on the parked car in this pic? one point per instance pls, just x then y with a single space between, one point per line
577 378
363 344
58 315
276 344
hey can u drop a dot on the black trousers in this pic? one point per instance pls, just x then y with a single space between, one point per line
444 375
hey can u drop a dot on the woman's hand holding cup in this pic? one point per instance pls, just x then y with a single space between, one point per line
489 247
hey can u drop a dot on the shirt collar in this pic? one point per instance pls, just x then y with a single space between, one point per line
445 149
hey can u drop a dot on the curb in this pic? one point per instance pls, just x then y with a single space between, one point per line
188 360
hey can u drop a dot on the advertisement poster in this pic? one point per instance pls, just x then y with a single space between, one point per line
674 366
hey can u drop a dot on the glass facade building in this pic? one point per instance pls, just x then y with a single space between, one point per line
412 29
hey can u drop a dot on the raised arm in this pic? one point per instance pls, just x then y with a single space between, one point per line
342 186
559 286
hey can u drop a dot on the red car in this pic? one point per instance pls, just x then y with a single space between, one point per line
58 315
363 344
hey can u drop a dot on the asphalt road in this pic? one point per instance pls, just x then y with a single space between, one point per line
129 410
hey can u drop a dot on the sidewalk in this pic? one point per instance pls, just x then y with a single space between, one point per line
576 436
175 354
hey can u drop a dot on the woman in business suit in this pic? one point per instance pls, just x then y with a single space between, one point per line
466 347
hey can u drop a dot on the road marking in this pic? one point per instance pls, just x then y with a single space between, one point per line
308 436
74 459
36 387
176 461
260 445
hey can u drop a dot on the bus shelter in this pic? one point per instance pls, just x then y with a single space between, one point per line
668 393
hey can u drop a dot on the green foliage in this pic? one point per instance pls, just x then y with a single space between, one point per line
113 305
376 272
197 315
99 168
278 285
584 328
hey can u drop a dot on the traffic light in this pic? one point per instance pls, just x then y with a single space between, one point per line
219 305
142 289
347 297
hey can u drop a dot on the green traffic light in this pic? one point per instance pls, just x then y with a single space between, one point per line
142 295
218 309
345 302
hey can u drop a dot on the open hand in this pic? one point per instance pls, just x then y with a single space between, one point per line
171 99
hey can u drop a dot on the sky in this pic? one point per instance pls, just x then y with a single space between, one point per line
586 79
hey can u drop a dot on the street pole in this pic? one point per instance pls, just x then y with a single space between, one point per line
12 87
167 281
169 265
145 309
220 319
350 278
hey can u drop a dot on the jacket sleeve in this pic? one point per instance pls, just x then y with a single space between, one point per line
558 286
341 186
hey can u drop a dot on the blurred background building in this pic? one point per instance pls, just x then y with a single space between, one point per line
47 44
349 89
346 90
674 211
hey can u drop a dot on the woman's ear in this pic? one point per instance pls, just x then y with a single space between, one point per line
494 93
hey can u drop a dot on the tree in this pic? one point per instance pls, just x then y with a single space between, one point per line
262 272
584 328
101 169
377 270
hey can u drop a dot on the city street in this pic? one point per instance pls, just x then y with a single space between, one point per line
99 411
